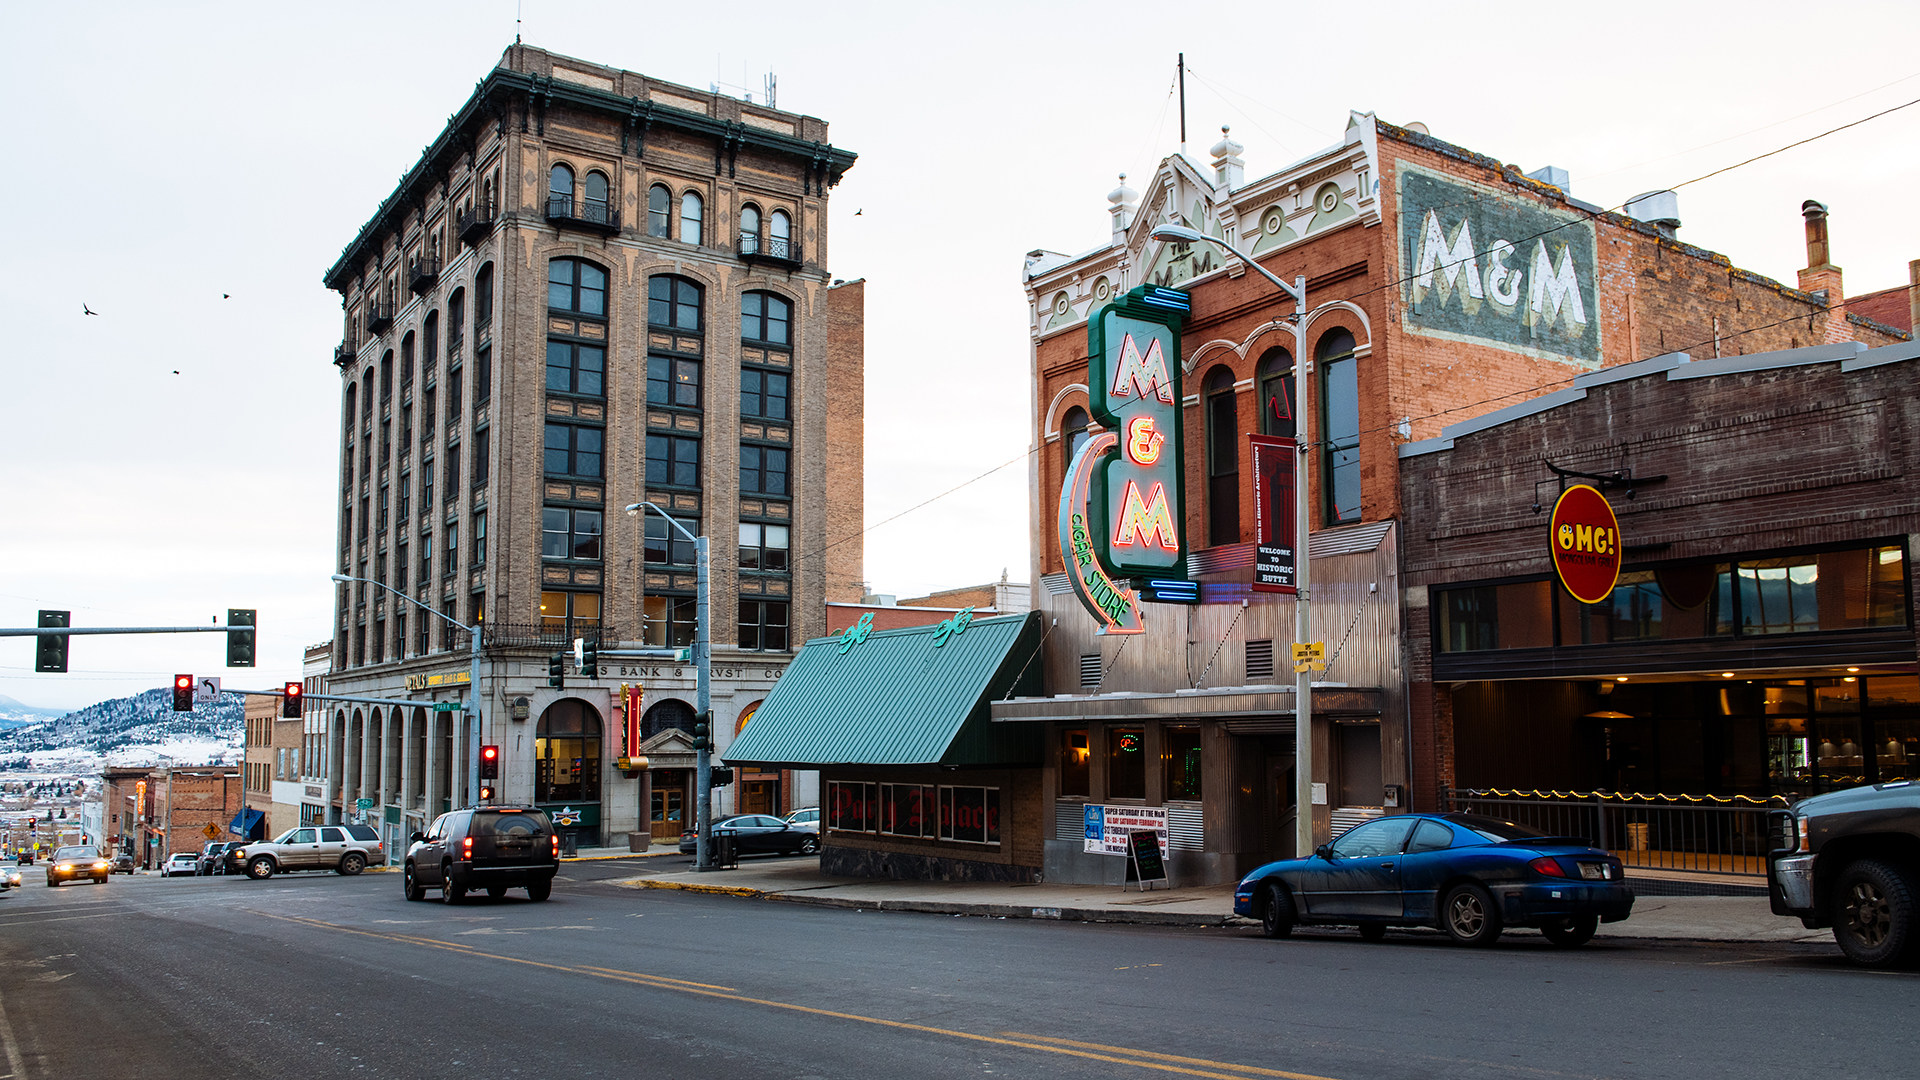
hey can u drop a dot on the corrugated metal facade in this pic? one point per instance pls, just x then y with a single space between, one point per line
897 698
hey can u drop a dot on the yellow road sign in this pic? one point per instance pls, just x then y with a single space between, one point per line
210 831
1309 656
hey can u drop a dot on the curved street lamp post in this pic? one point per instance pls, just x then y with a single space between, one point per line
703 694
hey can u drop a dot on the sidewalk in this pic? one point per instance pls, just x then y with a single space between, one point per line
1696 918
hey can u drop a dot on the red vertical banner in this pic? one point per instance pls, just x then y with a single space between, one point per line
635 695
1274 463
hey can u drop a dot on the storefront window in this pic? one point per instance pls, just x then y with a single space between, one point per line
1126 764
1073 762
906 810
1182 759
970 814
1515 616
1893 704
851 807
1835 590
566 751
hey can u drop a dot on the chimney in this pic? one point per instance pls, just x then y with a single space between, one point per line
1229 171
1122 198
1821 277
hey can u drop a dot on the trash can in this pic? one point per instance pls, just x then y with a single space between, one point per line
723 850
1637 836
569 844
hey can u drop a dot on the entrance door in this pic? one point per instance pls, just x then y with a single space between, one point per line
1276 809
669 813
760 797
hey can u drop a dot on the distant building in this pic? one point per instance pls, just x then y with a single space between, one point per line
272 767
594 289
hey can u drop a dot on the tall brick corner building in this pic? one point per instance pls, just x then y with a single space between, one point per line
594 289
1441 286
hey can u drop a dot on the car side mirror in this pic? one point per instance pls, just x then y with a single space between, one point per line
416 837
1324 851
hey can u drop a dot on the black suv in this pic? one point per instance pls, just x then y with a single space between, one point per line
495 848
1851 860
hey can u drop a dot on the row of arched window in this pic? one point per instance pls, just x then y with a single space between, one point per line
588 198
1338 431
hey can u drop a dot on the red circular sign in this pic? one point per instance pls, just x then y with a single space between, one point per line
1584 537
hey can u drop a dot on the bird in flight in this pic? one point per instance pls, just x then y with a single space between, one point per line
860 211
226 296
88 310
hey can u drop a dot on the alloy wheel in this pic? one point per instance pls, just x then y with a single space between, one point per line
1868 914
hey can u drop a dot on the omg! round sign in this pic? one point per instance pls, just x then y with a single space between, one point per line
1585 539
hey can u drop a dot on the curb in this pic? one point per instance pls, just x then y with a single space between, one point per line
688 886
932 907
625 855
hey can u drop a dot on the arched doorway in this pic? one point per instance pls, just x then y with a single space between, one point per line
566 765
669 794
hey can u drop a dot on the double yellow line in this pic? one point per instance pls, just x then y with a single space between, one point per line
1117 1055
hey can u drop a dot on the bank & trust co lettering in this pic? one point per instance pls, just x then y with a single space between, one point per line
625 671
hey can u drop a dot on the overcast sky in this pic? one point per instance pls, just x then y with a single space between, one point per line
175 455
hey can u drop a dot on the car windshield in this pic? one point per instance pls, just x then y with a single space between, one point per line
77 853
1494 830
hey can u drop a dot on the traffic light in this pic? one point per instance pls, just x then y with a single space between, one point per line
702 731
590 659
183 693
486 792
489 762
33 824
52 652
557 670
721 775
290 701
240 642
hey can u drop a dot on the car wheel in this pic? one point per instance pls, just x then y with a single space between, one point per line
411 885
260 868
1373 931
1468 915
810 846
452 892
1873 913
1571 931
540 890
1277 916
352 863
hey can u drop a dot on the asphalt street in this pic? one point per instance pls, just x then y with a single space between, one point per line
315 975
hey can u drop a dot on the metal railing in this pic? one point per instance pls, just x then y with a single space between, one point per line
779 248
422 273
475 224
549 635
379 315
588 212
1702 834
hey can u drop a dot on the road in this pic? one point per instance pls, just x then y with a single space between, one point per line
316 975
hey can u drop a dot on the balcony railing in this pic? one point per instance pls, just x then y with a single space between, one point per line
344 353
1702 834
586 214
379 316
551 635
476 224
779 250
422 273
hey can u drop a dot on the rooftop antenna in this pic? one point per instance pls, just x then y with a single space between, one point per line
518 5
1183 104
773 83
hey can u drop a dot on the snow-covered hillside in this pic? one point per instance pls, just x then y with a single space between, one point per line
128 731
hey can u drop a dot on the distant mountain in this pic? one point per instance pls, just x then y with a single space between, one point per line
15 714
129 730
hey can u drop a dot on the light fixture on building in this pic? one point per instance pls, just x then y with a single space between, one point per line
1850 678
1606 687
1620 678
1853 669
1609 714
1726 674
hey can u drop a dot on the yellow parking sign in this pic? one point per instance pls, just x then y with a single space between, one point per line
1310 656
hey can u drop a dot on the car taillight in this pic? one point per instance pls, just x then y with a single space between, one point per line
556 844
1548 866
466 848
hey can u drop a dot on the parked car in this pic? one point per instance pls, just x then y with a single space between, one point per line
343 849
121 864
808 815
76 862
213 857
495 848
1847 861
1468 875
181 864
10 877
759 834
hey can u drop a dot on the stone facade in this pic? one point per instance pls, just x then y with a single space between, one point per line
595 289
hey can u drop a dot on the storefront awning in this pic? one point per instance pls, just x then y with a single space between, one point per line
1231 703
914 696
250 824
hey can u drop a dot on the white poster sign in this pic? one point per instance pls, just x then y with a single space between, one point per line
1108 826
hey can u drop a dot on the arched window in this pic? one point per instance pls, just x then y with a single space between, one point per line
594 206
690 209
560 192
456 322
1340 427
482 297
749 230
673 361
406 359
1073 434
430 343
353 395
566 753
577 286
780 235
659 209
366 404
1277 397
576 357
386 377
666 715
766 317
1223 459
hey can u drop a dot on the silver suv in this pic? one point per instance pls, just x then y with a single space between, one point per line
344 849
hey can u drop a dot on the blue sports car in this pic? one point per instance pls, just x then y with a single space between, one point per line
1470 876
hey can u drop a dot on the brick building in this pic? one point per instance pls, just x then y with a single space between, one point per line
594 289
152 812
1759 644
1440 285
272 770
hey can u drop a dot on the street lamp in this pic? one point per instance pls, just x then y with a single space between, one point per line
1302 623
703 693
473 683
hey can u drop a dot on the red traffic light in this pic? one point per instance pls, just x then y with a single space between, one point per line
183 682
290 701
490 753
183 693
489 762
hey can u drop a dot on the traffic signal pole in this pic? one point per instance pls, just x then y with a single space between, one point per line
703 694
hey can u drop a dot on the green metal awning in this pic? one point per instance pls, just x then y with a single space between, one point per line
914 696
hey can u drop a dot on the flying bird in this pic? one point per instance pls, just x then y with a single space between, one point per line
176 371
88 310
226 296
860 211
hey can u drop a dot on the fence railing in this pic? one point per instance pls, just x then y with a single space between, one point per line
1702 834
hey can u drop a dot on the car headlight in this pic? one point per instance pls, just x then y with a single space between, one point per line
100 866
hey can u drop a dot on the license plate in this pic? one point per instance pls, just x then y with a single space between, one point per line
1593 871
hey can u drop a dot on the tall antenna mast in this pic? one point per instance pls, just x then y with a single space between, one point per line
773 84
1183 104
518 5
